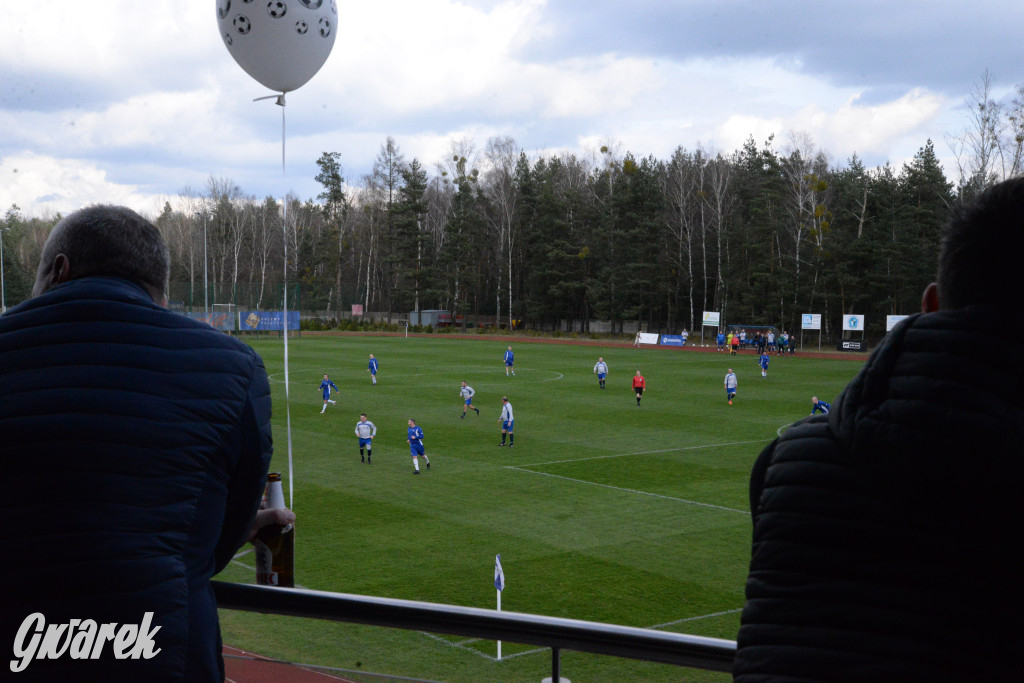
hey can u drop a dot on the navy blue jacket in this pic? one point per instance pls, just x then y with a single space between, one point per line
134 446
885 533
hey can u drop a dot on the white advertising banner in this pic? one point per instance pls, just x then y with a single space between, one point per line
853 323
892 320
811 321
647 338
712 318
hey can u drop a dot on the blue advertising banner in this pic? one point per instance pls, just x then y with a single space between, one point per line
266 321
221 320
672 340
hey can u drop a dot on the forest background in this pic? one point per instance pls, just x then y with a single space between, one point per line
761 234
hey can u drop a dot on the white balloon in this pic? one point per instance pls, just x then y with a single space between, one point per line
280 43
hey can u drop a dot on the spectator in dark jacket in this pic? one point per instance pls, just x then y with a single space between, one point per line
885 533
134 444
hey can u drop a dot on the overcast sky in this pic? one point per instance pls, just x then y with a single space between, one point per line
130 102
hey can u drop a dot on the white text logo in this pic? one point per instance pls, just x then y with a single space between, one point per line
81 639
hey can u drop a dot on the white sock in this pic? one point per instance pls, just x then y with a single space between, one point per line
324 408
331 402
416 463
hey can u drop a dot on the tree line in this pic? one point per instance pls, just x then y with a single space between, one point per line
761 234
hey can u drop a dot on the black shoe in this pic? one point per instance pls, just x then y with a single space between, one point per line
369 462
428 465
415 471
362 459
463 417
477 410
511 445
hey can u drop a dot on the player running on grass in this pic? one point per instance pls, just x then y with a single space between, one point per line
601 370
416 449
639 384
763 362
507 423
467 393
326 386
730 385
372 367
365 430
817 405
510 360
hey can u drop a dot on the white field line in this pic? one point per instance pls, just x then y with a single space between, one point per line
778 432
462 644
626 455
625 490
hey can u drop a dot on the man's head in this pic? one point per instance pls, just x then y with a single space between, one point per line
600 360
412 422
111 241
371 356
504 399
325 375
814 400
362 417
983 243
463 384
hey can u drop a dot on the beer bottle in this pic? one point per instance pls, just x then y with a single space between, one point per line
275 544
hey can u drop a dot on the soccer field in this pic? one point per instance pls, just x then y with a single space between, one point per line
602 511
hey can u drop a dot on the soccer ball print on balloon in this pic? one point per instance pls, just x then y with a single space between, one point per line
280 43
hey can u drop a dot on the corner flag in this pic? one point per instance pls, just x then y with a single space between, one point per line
499 575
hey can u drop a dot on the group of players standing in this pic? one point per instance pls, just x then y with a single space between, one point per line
366 430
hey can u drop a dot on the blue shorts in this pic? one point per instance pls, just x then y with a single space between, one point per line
600 375
327 395
731 392
507 425
365 442
469 401
416 449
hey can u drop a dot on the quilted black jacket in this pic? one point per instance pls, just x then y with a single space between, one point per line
134 445
885 533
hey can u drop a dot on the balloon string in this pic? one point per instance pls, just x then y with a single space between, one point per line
287 398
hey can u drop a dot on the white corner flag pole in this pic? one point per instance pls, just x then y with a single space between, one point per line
499 584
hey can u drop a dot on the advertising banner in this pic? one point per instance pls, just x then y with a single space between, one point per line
853 323
892 321
811 321
220 320
852 345
646 338
712 318
672 340
266 321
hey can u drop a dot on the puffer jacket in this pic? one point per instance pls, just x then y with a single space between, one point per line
885 532
134 446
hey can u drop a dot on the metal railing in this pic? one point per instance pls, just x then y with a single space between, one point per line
712 654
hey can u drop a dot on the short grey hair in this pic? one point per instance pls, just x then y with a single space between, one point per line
112 241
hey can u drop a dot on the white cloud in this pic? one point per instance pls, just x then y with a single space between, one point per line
42 185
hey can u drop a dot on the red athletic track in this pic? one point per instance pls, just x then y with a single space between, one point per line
245 667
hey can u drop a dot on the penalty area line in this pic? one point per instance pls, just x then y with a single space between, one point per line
625 490
625 455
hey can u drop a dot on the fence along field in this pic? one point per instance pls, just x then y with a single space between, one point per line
602 511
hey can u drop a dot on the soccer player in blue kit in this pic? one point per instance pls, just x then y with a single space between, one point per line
510 359
415 441
817 405
373 368
763 362
326 387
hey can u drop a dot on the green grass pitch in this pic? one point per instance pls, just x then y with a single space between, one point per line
602 511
